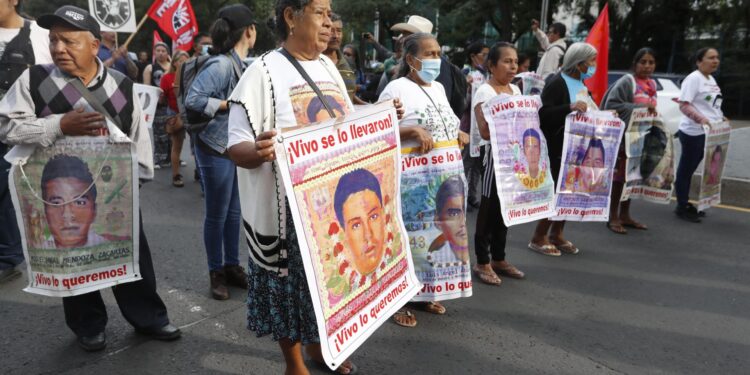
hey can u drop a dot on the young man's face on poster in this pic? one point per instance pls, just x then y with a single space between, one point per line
364 229
452 221
69 223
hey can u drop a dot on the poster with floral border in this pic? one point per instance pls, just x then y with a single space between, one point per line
342 180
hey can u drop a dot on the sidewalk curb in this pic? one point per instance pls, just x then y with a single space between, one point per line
734 191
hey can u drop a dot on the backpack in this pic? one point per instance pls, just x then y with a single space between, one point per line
17 57
196 121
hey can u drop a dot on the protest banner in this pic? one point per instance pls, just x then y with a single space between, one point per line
114 15
177 19
149 97
531 83
77 209
649 169
589 154
341 178
433 198
475 139
715 155
520 159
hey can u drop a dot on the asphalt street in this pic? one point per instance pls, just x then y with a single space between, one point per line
670 300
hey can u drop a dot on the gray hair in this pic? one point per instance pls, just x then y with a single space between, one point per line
335 17
298 7
411 47
577 53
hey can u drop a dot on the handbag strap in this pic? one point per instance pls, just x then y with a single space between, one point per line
309 81
437 110
237 69
96 103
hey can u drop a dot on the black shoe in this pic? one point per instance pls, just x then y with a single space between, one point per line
93 343
166 333
688 213
9 274
236 276
692 208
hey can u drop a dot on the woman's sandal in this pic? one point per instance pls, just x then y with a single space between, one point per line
487 277
432 307
617 228
408 319
635 225
567 247
548 249
510 271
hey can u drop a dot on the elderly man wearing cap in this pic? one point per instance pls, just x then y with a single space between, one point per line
39 109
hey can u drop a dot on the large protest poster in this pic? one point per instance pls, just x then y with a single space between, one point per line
715 155
114 15
342 183
149 97
590 150
77 209
476 79
531 83
433 198
520 159
649 169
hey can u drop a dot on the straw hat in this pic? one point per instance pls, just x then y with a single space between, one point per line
416 24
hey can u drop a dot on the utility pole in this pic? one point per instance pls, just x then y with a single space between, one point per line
543 17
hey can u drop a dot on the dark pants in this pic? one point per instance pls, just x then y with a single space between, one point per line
491 232
692 154
11 252
473 172
139 303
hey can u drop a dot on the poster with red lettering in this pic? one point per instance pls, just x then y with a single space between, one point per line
590 147
77 209
519 159
433 203
342 181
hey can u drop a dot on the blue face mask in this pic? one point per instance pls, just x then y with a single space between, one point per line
204 49
430 70
589 73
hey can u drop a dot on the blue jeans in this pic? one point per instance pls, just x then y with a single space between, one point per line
692 154
221 226
11 252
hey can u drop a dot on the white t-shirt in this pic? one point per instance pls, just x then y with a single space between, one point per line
705 95
485 93
419 110
296 102
39 42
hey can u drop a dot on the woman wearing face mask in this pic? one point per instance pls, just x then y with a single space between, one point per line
428 117
631 91
233 34
476 76
700 103
491 232
565 93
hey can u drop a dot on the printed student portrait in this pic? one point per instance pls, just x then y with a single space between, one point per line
341 178
589 155
77 208
433 203
520 159
649 170
715 156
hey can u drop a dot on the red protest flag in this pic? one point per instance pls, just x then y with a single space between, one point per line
177 19
599 38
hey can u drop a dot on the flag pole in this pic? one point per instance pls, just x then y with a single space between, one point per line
130 38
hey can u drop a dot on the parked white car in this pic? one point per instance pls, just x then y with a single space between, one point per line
668 91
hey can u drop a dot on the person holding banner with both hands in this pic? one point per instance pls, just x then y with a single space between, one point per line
564 94
272 94
491 232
